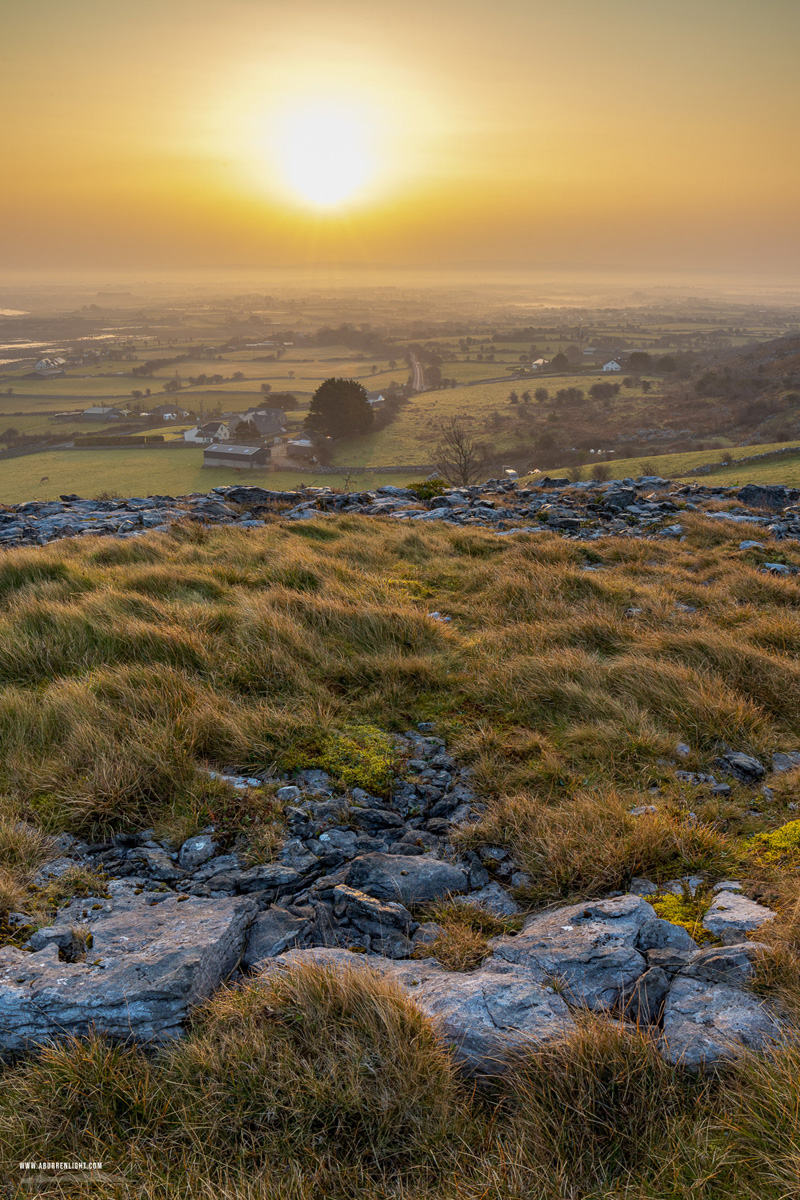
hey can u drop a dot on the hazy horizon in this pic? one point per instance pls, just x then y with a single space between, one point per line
158 137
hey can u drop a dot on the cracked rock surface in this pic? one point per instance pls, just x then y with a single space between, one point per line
349 885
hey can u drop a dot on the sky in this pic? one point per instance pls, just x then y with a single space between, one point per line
160 134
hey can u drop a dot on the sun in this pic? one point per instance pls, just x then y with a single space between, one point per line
325 152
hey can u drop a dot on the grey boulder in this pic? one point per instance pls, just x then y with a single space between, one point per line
273 931
406 879
148 964
196 850
732 916
588 950
743 767
706 1022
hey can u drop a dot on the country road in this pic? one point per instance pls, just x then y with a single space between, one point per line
417 374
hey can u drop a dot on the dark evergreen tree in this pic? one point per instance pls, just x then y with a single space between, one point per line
339 407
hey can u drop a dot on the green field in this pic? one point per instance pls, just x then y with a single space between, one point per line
412 436
300 372
674 466
128 472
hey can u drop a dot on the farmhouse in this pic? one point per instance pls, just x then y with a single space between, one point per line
101 412
50 366
240 457
539 364
212 431
613 365
268 421
376 399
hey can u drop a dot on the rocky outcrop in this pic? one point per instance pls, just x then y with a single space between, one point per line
645 507
138 966
486 1015
349 885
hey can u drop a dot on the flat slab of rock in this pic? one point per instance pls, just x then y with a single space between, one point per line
732 916
405 878
588 950
705 1022
148 965
485 1015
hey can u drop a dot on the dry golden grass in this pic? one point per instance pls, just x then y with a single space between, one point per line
129 668
312 1083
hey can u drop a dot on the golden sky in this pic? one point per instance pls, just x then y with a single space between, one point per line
174 133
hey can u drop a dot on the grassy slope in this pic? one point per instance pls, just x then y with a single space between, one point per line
126 666
412 436
675 466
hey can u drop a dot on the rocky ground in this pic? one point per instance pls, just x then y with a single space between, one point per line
646 507
350 883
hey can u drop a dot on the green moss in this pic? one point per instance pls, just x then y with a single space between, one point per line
686 910
780 844
361 756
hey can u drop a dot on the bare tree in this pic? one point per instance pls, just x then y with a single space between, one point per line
459 457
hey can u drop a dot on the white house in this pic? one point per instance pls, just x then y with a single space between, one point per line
50 366
539 364
613 365
375 399
204 435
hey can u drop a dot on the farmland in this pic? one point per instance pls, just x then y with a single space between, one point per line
475 345
134 472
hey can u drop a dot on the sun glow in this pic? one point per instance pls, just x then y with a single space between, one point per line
326 153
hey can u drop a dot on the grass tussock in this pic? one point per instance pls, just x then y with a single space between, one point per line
591 844
310 1082
464 934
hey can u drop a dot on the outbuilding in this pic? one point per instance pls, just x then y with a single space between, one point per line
240 457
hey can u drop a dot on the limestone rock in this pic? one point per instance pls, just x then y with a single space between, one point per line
588 949
706 1022
196 850
743 767
272 932
789 761
149 963
407 879
494 898
656 934
647 999
732 916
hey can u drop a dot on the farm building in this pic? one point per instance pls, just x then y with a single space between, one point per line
50 366
240 457
101 412
266 420
375 399
301 447
168 412
212 431
613 365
